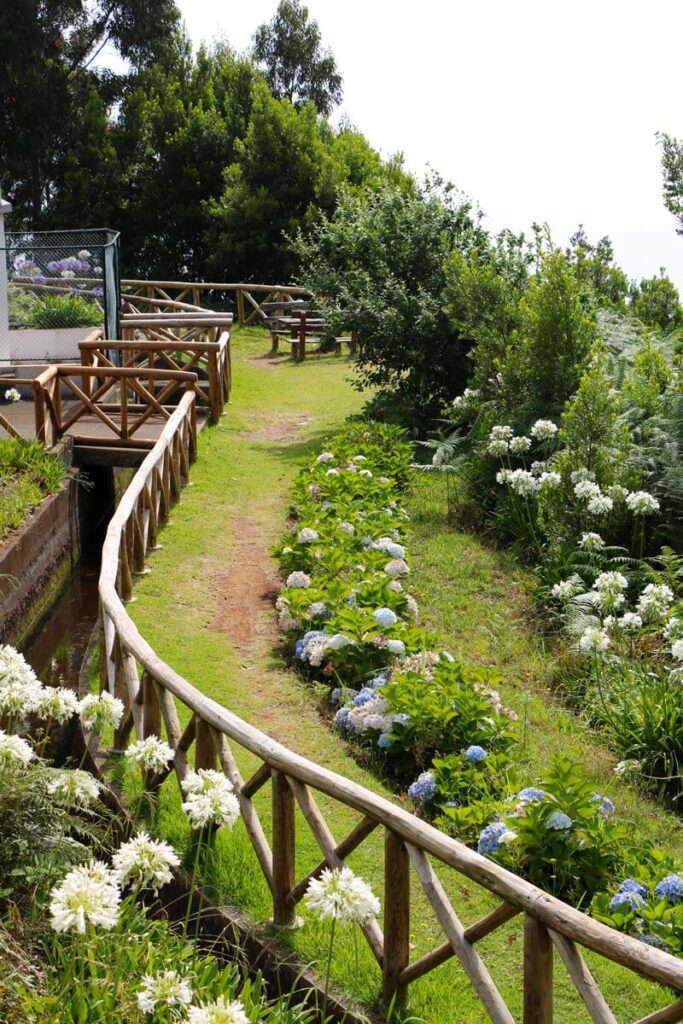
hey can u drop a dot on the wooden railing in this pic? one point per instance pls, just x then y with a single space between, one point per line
189 342
248 298
103 393
152 690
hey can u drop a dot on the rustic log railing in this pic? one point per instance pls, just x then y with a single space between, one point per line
103 393
249 298
194 343
151 691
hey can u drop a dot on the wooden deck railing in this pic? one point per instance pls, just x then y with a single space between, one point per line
196 343
151 691
167 295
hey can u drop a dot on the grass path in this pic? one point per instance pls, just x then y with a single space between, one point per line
234 511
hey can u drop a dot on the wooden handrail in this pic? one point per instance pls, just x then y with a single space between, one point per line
248 307
547 920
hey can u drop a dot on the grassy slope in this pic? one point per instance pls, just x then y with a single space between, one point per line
464 590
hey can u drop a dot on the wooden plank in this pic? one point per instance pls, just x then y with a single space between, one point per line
284 850
538 973
455 933
584 981
396 918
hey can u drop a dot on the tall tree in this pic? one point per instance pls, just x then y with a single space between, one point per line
672 174
296 66
47 76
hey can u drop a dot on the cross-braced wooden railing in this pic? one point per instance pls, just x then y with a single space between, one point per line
152 692
121 399
196 343
249 298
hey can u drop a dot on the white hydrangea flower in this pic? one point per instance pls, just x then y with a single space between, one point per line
307 535
221 1012
73 787
336 642
88 895
298 580
365 473
600 504
396 567
325 457
84 254
591 542
143 861
340 895
412 610
385 617
389 546
210 799
396 647
332 472
56 703
543 430
14 750
359 458
594 640
519 445
641 503
165 989
101 711
347 528
151 754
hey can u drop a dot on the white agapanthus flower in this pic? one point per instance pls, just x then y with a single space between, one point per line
503 476
566 589
630 622
223 1011
641 503
143 861
594 640
497 447
611 582
673 628
307 535
18 697
209 799
549 481
654 602
465 400
56 703
12 395
543 430
151 754
396 567
14 750
519 445
298 580
73 787
101 711
340 895
165 989
591 542
523 482
677 650
586 489
539 466
583 473
385 617
325 457
617 492
87 896
600 504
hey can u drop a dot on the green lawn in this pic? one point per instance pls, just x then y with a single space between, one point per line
235 509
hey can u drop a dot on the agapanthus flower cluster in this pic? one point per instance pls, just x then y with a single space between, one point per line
73 787
543 430
101 711
88 896
340 895
14 751
143 861
594 640
158 991
209 799
654 602
641 503
499 441
221 1011
150 754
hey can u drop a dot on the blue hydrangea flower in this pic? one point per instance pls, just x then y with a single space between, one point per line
385 741
299 649
363 697
301 645
475 753
377 682
606 807
670 888
634 900
489 840
423 789
559 821
342 719
530 795
630 885
401 718
650 939
385 617
336 696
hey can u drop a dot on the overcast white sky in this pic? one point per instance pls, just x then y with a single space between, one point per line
540 109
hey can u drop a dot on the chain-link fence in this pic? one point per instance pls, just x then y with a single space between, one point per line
62 279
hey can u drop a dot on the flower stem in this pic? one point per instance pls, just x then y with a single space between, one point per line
329 970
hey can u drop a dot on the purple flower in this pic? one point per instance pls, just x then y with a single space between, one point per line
630 885
606 808
531 795
634 900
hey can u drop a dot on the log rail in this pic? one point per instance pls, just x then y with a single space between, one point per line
152 690
188 295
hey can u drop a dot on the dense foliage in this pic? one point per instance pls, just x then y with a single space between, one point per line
27 474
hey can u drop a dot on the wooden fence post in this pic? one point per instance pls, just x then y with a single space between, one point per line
538 973
396 916
284 849
204 751
240 307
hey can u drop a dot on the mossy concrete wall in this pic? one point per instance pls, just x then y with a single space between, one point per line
36 561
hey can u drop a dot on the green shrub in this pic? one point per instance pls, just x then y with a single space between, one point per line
52 311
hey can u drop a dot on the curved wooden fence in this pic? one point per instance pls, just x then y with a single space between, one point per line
188 295
150 689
